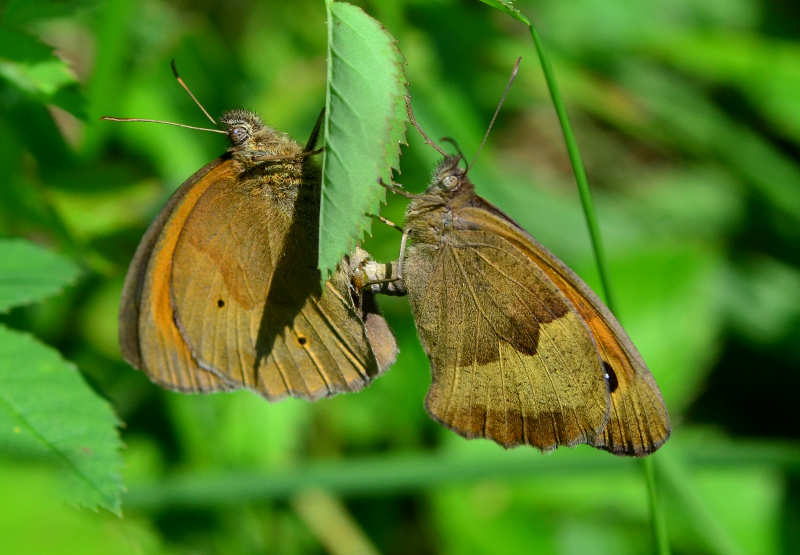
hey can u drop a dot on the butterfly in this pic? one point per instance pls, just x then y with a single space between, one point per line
522 351
224 291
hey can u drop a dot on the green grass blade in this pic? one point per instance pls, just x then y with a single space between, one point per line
657 517
386 475
572 145
577 168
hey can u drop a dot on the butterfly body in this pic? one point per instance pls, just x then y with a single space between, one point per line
521 350
224 292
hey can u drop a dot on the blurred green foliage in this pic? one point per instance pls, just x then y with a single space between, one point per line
688 117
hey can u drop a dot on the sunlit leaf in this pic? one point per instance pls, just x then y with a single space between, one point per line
31 67
49 414
366 83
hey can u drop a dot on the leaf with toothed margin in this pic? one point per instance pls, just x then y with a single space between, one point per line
364 126
50 416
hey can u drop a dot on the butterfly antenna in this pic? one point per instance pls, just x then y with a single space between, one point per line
419 129
182 84
455 144
497 111
109 118
175 71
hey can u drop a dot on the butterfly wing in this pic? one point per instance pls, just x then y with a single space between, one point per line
379 335
511 359
247 299
149 338
638 422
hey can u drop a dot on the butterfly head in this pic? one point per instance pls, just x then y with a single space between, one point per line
450 178
253 140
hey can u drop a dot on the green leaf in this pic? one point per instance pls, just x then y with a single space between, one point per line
25 12
48 413
17 45
366 86
29 273
31 67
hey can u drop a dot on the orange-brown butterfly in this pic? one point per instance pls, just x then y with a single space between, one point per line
522 351
224 292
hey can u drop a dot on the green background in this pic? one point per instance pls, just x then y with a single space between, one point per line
688 117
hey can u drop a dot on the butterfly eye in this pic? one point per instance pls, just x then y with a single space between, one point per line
450 181
238 135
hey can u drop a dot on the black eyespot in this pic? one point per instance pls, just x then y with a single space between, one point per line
238 135
302 340
220 303
611 377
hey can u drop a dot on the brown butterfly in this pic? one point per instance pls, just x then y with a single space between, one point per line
522 351
224 291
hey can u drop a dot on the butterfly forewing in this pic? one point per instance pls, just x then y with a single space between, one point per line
252 311
149 338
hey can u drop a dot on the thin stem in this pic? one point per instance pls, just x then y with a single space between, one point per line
577 168
657 518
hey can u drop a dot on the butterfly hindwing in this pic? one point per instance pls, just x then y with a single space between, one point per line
638 422
511 360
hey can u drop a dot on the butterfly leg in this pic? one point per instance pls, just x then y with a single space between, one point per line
390 223
401 256
402 192
425 137
376 277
